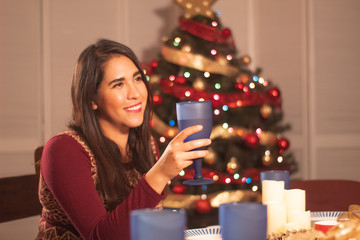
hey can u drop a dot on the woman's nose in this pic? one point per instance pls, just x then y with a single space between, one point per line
133 91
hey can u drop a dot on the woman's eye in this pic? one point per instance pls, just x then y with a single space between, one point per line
118 85
138 79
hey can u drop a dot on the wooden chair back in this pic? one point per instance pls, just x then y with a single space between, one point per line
19 194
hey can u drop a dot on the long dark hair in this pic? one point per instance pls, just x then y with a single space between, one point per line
88 74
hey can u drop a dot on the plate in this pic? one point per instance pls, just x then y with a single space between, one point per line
208 233
323 216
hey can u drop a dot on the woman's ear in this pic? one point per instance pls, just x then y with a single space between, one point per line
93 105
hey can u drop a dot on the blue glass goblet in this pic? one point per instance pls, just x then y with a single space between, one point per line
276 175
243 220
153 224
196 113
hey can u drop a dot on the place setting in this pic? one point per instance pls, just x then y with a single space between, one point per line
280 215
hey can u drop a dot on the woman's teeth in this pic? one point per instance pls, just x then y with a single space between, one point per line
134 108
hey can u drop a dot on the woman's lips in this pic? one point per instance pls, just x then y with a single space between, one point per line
135 108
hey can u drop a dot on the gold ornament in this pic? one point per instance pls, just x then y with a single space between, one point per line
199 84
232 165
266 110
198 61
246 60
267 138
196 7
266 160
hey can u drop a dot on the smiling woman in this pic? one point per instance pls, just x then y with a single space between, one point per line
121 98
107 164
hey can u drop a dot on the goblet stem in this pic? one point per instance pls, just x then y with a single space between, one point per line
198 169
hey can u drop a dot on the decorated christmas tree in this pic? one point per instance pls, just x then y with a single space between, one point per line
199 61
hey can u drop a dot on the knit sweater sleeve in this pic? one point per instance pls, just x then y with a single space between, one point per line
66 169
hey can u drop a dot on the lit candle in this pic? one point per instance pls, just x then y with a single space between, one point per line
272 191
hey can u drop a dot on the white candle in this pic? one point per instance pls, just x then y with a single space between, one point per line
295 200
272 191
292 226
276 216
300 218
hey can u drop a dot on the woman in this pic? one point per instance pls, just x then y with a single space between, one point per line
95 174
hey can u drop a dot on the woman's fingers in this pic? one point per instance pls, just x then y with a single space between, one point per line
178 154
188 131
184 159
180 138
195 154
188 146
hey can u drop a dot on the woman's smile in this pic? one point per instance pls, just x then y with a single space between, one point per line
135 108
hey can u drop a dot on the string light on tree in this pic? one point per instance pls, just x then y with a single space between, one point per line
232 165
199 84
157 99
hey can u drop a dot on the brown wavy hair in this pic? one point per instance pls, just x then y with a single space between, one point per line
87 76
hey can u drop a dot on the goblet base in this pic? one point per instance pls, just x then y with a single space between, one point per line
203 181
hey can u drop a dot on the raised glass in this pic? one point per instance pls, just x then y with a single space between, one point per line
196 113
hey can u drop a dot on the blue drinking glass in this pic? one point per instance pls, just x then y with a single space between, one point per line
196 113
243 221
276 175
154 224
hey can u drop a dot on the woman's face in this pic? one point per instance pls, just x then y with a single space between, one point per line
121 97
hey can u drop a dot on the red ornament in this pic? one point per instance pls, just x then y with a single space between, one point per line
180 80
157 99
179 189
274 93
252 140
239 86
154 64
226 33
283 144
203 206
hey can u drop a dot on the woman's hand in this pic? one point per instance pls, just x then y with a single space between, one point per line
176 157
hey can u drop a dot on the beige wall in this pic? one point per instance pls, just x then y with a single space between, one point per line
310 48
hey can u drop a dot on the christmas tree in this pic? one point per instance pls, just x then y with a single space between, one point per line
199 61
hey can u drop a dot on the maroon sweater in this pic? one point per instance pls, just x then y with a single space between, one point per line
72 207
